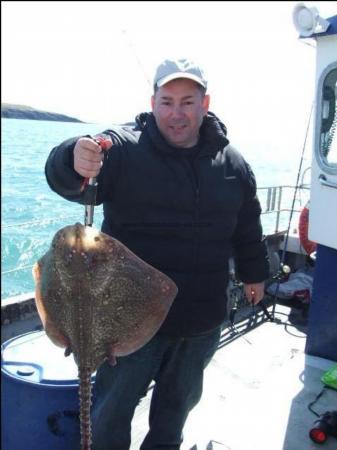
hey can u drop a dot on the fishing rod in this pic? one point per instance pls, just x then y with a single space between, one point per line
139 62
284 269
104 141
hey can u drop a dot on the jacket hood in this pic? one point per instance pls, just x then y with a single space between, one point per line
213 134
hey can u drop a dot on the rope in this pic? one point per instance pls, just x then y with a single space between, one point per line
319 395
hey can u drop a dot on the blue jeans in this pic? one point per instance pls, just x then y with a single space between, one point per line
176 364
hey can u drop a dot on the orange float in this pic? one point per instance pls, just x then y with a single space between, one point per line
303 224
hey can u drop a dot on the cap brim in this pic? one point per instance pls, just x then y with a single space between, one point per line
174 76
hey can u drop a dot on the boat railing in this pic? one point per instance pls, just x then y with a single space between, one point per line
277 200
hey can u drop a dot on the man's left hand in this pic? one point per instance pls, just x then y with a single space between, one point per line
254 292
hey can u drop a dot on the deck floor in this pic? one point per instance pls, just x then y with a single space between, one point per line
257 390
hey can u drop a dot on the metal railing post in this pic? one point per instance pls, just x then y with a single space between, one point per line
278 212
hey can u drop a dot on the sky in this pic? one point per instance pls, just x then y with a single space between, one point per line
95 60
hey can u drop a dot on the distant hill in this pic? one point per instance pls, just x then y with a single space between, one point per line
11 111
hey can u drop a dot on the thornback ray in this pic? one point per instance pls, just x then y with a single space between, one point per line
99 300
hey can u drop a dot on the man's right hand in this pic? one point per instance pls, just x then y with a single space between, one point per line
88 157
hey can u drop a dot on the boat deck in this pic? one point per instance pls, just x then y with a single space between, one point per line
257 390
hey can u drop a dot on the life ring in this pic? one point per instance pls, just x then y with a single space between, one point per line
303 223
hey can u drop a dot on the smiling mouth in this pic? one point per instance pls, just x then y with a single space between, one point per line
177 127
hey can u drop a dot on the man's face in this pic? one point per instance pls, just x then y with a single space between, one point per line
179 107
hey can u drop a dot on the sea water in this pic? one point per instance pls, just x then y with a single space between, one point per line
32 212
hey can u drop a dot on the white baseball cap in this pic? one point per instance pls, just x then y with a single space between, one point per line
170 69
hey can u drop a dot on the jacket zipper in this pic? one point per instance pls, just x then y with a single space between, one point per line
197 215
194 178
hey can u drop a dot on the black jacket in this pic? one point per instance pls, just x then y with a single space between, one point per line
182 211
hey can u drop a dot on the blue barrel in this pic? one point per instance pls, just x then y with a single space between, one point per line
39 402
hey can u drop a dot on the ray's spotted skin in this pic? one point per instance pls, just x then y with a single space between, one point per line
99 300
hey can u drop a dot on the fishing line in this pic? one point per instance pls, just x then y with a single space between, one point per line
17 269
291 213
133 50
31 223
43 221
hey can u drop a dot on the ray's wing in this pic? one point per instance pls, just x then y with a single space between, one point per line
130 303
49 301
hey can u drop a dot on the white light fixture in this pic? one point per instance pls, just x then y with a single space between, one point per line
307 21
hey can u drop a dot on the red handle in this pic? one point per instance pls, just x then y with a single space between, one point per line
104 142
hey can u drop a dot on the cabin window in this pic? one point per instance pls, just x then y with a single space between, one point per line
328 121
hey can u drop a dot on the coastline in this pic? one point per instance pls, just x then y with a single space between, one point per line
12 111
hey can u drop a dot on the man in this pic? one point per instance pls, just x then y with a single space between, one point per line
183 200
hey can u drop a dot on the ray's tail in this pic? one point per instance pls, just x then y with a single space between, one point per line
85 404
